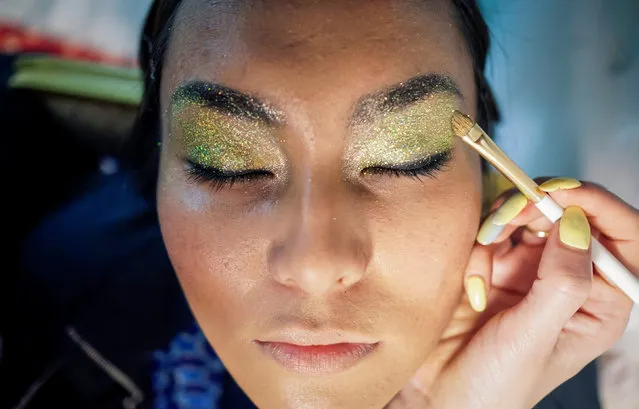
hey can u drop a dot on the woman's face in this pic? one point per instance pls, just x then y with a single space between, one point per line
313 201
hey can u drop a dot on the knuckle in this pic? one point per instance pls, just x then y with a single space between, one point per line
572 286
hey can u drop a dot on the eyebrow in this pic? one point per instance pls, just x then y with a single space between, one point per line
404 94
247 106
226 100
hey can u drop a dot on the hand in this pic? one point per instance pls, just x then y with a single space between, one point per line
546 316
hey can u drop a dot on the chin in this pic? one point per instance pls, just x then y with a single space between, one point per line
316 394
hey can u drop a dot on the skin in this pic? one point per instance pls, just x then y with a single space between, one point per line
549 312
319 244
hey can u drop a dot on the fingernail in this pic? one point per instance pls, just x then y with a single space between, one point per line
510 209
489 231
476 292
574 229
559 183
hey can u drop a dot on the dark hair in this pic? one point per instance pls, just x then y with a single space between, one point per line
144 149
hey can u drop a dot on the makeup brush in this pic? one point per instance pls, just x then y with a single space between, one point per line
611 268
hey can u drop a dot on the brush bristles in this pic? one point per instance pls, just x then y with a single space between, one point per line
462 124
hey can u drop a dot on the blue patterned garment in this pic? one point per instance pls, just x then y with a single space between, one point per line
188 375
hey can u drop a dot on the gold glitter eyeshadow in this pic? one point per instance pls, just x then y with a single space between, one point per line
223 141
403 136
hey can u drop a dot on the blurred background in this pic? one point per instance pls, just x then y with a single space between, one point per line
565 73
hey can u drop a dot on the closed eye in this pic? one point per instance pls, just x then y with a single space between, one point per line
219 179
424 167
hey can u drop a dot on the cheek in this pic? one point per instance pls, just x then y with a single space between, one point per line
421 249
214 257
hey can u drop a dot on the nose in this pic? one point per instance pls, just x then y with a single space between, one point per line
325 246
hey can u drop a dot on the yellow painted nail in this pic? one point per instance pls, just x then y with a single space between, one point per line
489 231
559 183
510 209
476 292
574 229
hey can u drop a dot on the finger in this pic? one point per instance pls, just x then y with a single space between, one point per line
512 208
607 301
532 237
538 222
478 276
607 213
496 227
564 278
546 184
593 330
516 269
615 223
532 217
602 318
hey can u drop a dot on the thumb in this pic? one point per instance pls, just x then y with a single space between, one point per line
563 283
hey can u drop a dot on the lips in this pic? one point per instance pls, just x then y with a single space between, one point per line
317 359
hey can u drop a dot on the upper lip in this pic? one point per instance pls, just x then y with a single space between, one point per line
306 337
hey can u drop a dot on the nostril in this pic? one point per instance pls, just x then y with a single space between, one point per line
344 282
349 279
320 262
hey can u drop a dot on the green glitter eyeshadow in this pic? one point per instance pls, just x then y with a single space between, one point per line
223 141
404 136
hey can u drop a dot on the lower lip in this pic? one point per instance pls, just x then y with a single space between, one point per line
316 359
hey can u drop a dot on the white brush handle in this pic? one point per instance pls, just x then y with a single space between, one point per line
608 265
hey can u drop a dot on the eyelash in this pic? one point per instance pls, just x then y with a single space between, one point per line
219 179
427 167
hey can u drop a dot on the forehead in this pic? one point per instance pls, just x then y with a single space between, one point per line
299 49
